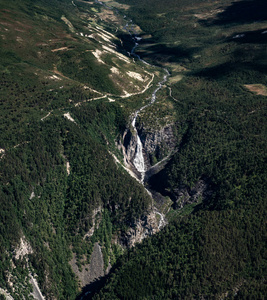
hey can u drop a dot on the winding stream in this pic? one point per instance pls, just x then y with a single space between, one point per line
139 161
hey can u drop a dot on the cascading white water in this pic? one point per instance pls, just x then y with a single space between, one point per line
162 221
138 160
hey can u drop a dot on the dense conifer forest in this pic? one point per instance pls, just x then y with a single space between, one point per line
69 89
215 249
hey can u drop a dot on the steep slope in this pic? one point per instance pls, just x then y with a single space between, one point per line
62 193
78 103
214 246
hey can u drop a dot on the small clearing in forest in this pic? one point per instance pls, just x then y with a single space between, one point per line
259 89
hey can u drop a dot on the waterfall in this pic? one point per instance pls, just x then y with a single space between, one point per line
138 160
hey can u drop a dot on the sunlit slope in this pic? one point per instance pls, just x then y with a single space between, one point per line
57 49
214 249
62 72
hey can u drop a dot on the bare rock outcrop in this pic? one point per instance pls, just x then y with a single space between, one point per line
92 271
129 146
202 190
23 249
143 228
159 142
6 294
157 145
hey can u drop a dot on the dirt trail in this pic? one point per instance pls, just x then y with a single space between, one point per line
36 290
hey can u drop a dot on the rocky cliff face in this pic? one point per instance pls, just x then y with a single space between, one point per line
128 146
26 284
89 272
157 144
143 228
201 191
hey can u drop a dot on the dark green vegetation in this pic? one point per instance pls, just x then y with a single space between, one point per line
39 201
218 250
213 248
59 214
205 255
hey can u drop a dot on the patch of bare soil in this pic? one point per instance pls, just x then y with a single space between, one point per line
108 15
60 49
6 295
116 4
208 15
60 74
175 79
86 2
258 89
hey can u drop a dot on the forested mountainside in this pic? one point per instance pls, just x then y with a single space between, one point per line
132 148
59 180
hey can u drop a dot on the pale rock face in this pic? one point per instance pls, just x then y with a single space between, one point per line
68 168
129 144
133 154
152 140
23 249
6 294
68 116
2 153
135 75
115 70
97 53
37 294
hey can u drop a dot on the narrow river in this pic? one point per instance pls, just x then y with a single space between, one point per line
139 161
